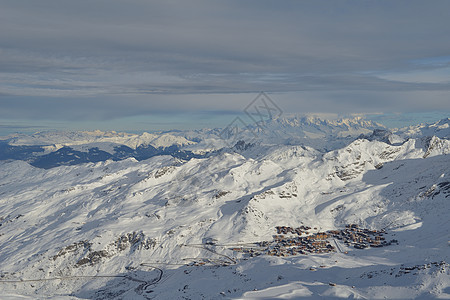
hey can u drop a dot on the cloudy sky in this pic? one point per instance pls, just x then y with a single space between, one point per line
149 65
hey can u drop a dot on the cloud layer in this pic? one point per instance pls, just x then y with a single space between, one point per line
98 59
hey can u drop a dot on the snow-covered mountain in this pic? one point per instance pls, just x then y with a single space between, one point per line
312 126
439 129
85 141
51 149
81 138
315 132
321 134
252 221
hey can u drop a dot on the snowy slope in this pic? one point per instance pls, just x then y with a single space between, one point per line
164 227
106 141
440 129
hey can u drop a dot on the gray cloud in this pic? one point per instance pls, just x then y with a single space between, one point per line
109 59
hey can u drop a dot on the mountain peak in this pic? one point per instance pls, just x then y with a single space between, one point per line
440 129
295 120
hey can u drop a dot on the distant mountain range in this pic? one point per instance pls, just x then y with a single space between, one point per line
51 149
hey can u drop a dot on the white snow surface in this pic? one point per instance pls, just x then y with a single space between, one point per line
440 129
129 229
106 141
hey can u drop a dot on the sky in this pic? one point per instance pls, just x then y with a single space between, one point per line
139 65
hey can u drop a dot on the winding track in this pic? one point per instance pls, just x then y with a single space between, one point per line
144 284
161 272
64 278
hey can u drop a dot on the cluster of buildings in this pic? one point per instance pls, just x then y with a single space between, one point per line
289 241
196 264
315 243
287 229
361 238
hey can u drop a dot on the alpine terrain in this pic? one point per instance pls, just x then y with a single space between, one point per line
298 208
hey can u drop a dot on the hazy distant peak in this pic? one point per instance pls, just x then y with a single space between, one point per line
439 128
302 120
72 138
